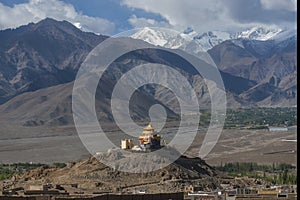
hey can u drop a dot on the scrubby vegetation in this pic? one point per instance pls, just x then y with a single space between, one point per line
261 117
8 170
277 173
255 118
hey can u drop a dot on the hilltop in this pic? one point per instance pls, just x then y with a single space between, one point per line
91 176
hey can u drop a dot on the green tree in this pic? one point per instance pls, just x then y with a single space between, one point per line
285 176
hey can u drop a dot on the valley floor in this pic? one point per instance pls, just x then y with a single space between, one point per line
48 145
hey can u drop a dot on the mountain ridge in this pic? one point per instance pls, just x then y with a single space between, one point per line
48 50
53 51
207 40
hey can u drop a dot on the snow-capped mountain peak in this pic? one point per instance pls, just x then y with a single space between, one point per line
162 37
194 42
210 39
259 33
175 40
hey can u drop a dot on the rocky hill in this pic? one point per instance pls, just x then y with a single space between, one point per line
92 176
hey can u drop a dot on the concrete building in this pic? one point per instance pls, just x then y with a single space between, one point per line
274 128
126 144
201 196
38 187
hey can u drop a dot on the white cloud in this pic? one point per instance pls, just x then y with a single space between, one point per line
201 15
290 5
36 10
143 22
204 15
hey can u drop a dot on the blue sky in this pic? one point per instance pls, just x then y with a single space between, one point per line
114 16
113 11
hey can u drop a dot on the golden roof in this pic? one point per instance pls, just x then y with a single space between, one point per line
149 128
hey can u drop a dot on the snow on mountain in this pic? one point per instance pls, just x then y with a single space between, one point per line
212 38
259 33
162 37
194 42
264 40
189 39
283 35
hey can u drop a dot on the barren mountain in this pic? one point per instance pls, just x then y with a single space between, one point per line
53 106
39 62
41 55
245 59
